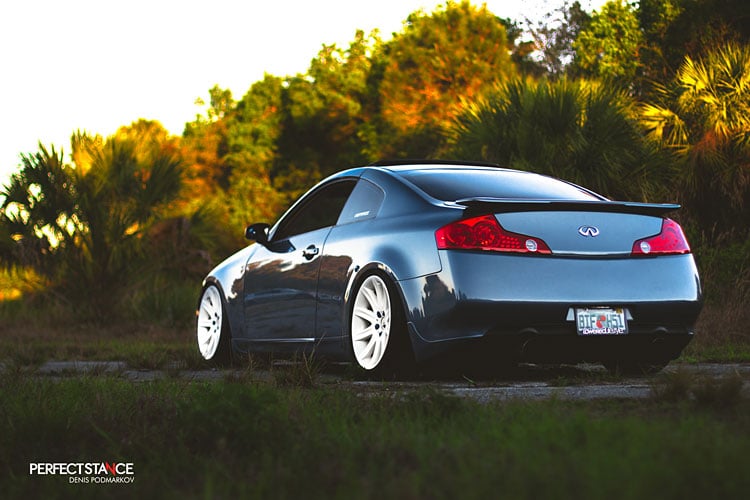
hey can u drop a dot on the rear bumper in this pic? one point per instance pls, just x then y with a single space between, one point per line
520 305
655 347
559 345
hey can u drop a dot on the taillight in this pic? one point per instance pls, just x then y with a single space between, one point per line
486 233
671 240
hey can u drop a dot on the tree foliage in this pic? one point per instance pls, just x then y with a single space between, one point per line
674 29
608 47
327 114
438 62
585 132
86 226
230 153
447 84
705 116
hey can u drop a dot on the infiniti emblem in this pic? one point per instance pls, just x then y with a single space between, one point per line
587 231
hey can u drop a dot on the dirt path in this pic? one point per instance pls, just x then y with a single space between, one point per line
528 382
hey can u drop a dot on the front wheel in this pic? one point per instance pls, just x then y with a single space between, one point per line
211 329
378 335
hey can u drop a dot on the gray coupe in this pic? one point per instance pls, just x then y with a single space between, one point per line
398 263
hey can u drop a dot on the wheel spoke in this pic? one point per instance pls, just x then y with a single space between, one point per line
367 353
206 307
365 314
377 350
202 334
371 297
363 334
380 297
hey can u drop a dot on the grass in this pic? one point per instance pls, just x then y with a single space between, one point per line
270 430
140 346
256 440
723 329
723 332
700 389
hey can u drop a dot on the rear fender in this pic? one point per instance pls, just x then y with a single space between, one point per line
357 277
228 277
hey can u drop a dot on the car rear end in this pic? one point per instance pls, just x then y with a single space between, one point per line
566 296
567 279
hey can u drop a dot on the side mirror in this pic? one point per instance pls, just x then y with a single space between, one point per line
257 232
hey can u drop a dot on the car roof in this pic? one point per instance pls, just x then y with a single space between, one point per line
414 165
404 167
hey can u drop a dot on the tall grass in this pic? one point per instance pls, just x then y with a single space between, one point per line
226 440
723 330
25 300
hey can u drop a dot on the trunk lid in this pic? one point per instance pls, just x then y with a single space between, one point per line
577 227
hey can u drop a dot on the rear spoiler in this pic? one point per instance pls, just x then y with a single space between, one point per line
500 205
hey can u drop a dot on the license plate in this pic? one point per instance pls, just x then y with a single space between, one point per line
601 321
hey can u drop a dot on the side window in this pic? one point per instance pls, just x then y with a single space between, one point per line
364 203
321 209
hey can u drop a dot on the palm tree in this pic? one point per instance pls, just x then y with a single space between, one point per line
84 226
704 116
580 131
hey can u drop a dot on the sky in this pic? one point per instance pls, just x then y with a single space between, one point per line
95 65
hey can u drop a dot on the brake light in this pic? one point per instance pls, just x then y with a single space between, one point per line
671 240
486 233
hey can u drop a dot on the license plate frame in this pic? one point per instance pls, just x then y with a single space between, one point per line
596 321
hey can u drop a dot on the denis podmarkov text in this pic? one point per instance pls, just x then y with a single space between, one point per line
86 472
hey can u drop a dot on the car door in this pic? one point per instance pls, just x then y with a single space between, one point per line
281 278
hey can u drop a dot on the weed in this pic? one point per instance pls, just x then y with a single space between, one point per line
719 393
673 386
248 369
301 371
703 390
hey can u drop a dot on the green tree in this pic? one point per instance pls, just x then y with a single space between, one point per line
438 62
584 132
675 28
609 46
204 146
328 115
229 153
87 227
253 132
657 18
704 115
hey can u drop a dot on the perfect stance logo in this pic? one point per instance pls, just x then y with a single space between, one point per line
86 472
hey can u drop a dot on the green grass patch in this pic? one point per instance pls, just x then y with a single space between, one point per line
252 440
140 346
720 353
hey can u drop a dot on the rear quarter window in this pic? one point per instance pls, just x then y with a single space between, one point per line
364 203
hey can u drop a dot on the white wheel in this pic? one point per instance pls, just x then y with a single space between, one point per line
210 323
371 322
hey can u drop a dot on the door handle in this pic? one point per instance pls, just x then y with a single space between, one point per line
310 252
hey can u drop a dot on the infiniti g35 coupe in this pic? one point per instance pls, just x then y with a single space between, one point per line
405 262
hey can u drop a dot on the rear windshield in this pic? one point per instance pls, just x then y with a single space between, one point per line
455 184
